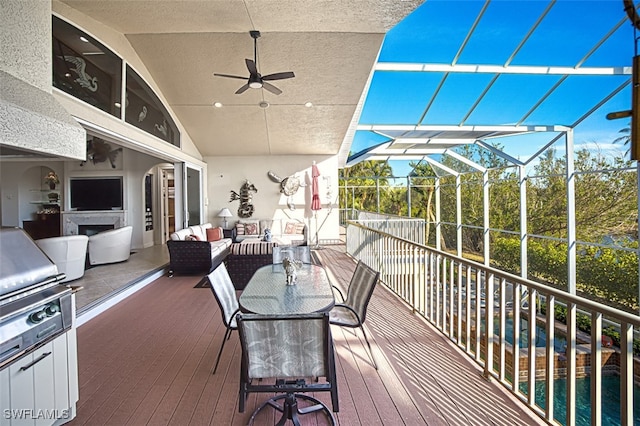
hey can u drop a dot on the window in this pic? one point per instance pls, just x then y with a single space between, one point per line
85 68
145 110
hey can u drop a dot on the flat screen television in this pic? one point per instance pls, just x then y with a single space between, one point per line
103 193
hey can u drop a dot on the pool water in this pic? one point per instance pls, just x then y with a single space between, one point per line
610 400
559 342
610 384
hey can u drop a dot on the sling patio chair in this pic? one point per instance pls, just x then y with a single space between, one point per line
286 355
225 294
299 253
352 312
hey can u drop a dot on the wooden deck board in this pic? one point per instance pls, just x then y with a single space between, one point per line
149 360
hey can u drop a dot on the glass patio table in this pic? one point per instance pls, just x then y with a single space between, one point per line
268 293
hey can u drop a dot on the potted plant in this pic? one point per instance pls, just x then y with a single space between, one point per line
52 180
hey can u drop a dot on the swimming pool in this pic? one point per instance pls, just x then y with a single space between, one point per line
610 400
610 383
559 342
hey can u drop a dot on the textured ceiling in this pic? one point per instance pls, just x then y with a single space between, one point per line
331 46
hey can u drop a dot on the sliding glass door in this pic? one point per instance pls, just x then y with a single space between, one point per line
193 195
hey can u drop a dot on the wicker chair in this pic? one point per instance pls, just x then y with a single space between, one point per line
352 312
287 348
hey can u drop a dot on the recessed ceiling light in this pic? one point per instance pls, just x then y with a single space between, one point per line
67 74
117 104
217 104
263 104
308 104
82 38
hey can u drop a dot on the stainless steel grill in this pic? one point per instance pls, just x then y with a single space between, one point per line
34 306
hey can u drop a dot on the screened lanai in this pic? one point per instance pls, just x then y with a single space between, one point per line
490 92
487 185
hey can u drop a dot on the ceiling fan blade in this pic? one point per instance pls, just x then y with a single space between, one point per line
251 66
242 89
279 76
270 87
230 76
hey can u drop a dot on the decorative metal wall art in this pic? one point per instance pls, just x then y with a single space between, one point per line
288 186
246 197
98 151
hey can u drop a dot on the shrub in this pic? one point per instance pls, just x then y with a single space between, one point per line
606 274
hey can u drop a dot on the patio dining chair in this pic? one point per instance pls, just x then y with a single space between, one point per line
301 253
279 354
225 294
352 312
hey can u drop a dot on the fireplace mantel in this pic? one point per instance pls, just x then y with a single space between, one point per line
71 219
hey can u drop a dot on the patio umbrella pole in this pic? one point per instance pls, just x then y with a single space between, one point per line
317 246
315 199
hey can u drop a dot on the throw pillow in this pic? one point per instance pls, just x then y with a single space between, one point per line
192 238
290 228
300 228
265 224
239 228
214 234
246 222
251 229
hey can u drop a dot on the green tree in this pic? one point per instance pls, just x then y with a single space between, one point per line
625 139
359 184
472 195
422 191
605 201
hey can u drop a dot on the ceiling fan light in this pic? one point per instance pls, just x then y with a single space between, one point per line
255 82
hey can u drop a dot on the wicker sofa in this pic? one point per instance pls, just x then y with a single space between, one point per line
290 232
196 250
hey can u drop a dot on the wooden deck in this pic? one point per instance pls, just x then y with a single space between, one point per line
148 361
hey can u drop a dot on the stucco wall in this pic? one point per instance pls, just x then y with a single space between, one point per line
31 118
25 51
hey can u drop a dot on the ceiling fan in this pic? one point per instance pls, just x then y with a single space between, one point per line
257 80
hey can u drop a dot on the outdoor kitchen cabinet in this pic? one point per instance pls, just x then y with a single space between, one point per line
41 388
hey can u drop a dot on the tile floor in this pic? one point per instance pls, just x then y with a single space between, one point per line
100 282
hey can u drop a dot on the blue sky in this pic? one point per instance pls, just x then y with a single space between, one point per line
571 34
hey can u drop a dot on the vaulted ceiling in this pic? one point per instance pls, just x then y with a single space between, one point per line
331 46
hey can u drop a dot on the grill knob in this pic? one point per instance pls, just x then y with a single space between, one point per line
51 309
36 317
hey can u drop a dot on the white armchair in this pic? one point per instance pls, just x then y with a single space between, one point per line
110 246
69 253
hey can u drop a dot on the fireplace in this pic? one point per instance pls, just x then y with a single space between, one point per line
91 222
90 230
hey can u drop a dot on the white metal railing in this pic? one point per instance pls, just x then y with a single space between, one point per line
450 292
412 229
